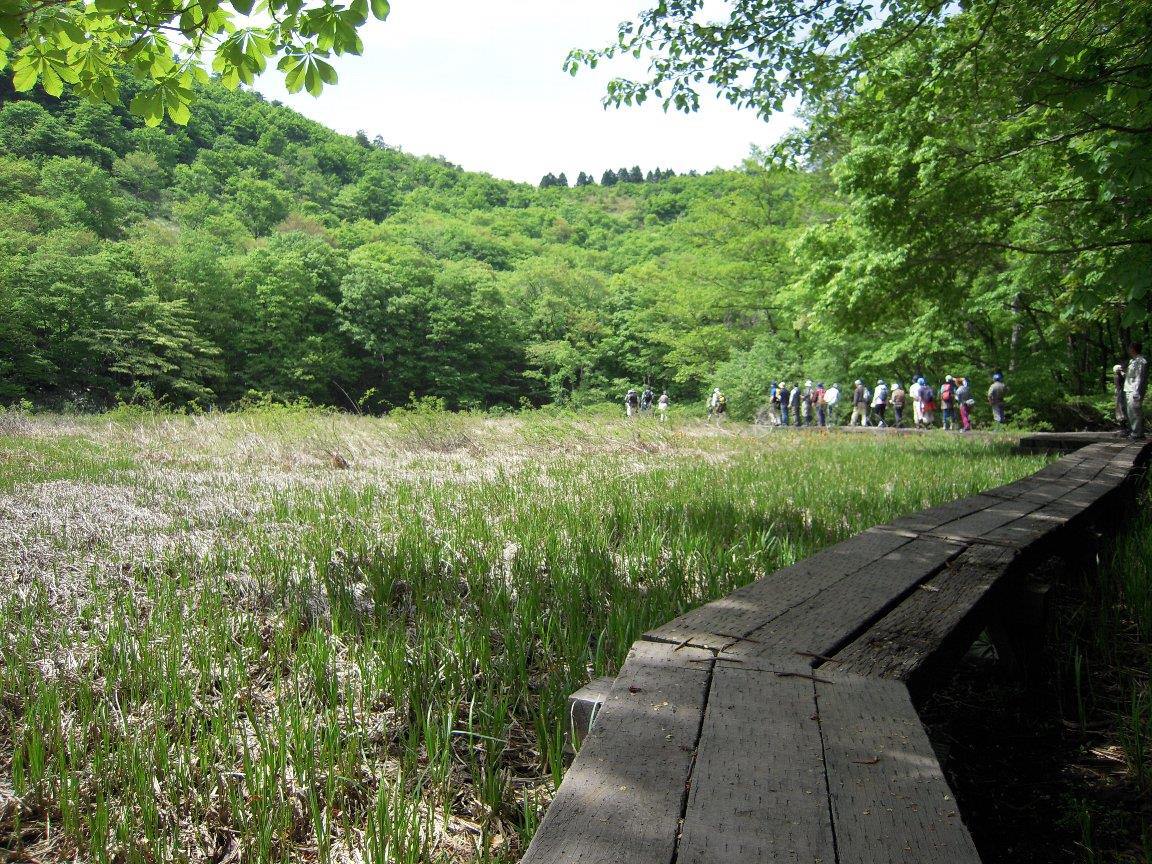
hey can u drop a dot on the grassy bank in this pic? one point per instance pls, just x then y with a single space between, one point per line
287 635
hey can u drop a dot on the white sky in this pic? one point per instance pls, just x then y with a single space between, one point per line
482 84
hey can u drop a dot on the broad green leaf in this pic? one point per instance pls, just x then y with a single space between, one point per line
24 75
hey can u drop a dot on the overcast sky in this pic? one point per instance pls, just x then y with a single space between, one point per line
482 84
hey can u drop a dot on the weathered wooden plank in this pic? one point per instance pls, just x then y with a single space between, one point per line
621 798
1029 532
821 625
975 526
718 623
890 801
758 788
932 518
939 616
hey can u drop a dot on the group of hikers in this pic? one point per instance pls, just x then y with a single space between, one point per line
816 405
637 404
813 404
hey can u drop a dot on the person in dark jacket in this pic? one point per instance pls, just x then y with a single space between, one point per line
785 401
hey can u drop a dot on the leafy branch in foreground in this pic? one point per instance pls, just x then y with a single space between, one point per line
91 47
765 52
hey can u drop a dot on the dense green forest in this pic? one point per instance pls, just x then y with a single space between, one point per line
252 252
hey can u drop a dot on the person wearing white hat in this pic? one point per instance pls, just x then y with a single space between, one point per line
806 404
1121 402
859 404
880 403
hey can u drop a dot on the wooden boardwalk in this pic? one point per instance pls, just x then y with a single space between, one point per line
776 724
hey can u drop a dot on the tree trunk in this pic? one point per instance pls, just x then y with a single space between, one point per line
1017 330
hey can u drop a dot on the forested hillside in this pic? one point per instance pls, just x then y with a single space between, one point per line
255 252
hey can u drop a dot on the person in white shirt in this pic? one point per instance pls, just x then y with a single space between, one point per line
662 406
917 405
832 399
1135 385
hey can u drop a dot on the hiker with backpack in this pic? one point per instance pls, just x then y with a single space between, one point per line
794 404
859 404
964 404
898 397
646 399
821 405
831 402
774 404
631 403
880 403
947 402
785 395
721 405
996 394
662 406
927 405
806 404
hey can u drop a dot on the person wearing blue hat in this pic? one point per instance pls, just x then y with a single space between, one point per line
996 395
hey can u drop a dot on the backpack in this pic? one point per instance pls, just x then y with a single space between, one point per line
882 393
867 396
946 393
927 394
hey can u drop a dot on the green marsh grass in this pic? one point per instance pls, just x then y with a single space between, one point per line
218 642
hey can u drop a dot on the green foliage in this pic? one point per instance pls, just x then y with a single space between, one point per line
158 52
992 206
255 250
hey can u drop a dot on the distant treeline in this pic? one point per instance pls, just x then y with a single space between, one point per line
611 178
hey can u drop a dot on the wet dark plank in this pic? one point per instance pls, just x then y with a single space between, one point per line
758 788
890 801
621 799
